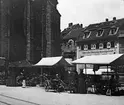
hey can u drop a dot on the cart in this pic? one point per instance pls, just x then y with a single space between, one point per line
58 85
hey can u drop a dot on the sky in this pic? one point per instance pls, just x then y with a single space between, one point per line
89 11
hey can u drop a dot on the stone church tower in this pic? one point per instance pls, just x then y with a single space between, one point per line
29 29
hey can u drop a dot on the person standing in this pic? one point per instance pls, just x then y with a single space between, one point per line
81 82
72 80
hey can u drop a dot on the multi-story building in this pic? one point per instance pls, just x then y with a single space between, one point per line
68 45
101 38
69 37
29 29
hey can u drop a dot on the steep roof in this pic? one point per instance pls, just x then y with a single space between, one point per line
106 26
73 34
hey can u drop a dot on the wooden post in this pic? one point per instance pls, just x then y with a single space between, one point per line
85 70
116 72
86 79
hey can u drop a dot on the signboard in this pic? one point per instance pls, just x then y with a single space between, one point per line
97 52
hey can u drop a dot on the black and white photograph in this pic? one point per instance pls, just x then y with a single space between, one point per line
61 52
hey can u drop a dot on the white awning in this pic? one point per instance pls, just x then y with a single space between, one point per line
51 61
98 59
99 72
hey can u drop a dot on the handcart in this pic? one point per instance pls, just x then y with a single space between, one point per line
58 85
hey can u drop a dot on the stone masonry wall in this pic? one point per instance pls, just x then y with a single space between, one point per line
48 29
4 28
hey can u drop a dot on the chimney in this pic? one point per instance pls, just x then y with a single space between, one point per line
106 19
81 25
70 24
114 18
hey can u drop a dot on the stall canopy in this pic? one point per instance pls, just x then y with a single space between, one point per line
101 59
53 61
69 61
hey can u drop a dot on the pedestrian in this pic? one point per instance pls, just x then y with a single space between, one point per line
23 84
81 82
73 80
23 79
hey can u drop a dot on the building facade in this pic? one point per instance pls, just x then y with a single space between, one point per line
101 38
69 37
30 29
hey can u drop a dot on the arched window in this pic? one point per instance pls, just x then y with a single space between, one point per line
85 47
70 43
101 46
108 44
93 46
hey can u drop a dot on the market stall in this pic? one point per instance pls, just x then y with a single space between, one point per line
53 67
113 60
20 70
53 61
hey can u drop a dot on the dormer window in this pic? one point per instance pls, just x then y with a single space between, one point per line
85 47
113 31
93 46
99 33
101 46
86 34
108 45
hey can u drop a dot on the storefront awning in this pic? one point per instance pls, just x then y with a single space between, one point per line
52 61
99 59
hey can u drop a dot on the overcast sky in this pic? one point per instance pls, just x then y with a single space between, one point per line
89 11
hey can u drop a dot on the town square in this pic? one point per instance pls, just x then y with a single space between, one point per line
59 52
